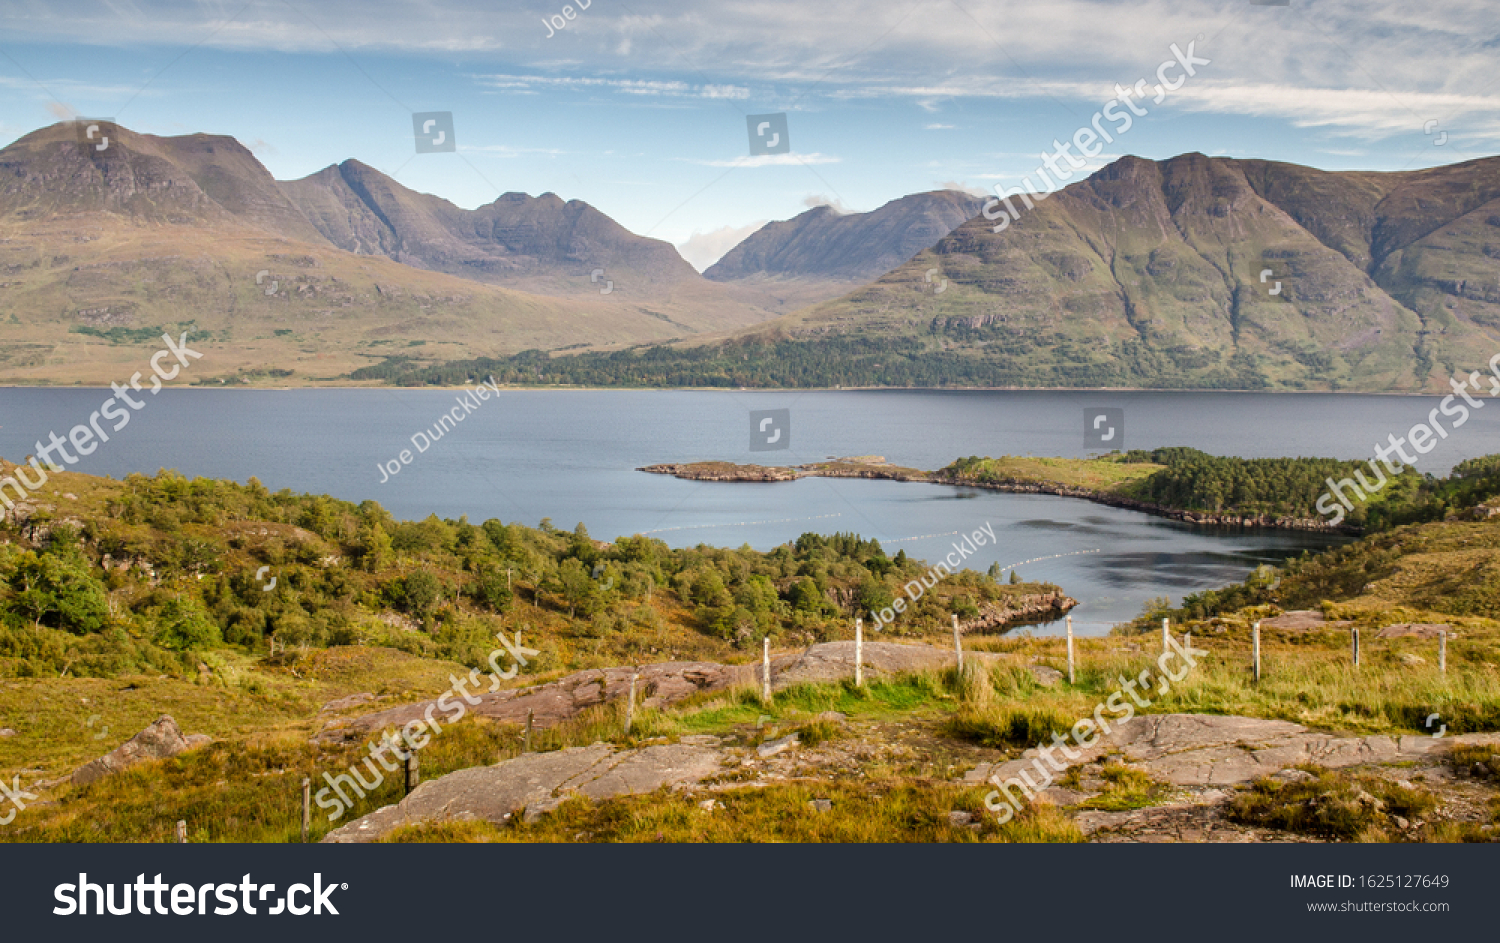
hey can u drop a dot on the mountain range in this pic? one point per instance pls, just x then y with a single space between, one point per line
101 250
1189 272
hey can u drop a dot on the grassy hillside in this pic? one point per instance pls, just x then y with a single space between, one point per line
120 601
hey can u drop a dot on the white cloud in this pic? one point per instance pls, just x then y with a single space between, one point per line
644 87
703 249
834 203
938 127
962 187
768 160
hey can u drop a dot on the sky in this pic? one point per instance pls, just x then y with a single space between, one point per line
641 109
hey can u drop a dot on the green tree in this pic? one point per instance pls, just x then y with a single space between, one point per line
418 593
806 597
183 625
577 584
374 548
57 591
874 595
491 588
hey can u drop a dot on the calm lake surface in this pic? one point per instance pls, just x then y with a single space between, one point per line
570 456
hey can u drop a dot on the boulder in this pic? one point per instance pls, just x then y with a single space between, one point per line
159 741
772 747
1045 676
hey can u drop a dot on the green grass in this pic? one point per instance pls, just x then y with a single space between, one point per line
1126 787
1479 760
1334 805
1097 474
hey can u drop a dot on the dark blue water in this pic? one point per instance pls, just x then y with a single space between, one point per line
570 456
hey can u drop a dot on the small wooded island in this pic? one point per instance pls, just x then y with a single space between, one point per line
1179 483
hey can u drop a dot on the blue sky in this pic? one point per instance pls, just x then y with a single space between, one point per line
640 108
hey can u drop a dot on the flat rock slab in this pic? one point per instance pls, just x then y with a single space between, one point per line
1210 750
537 783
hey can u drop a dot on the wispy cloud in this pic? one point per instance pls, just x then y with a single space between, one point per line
645 87
768 160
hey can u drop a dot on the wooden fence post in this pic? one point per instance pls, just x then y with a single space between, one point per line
1071 678
859 652
1164 632
306 807
530 715
413 771
630 707
1255 643
1356 648
182 831
1442 651
958 644
765 670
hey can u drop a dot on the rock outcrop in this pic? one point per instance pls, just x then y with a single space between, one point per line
159 741
1208 750
536 783
658 686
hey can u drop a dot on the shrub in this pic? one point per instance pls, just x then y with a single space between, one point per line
183 625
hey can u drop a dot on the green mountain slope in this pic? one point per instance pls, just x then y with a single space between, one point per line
1150 274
